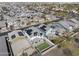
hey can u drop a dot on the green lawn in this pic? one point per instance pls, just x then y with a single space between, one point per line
42 46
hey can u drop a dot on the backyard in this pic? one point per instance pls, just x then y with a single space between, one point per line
43 46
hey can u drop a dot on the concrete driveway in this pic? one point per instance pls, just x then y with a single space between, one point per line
3 46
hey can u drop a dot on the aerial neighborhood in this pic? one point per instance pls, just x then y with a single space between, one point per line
39 29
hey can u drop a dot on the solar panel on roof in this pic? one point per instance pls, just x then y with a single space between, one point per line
43 27
29 31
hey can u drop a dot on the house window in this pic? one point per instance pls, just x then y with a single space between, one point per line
20 34
13 36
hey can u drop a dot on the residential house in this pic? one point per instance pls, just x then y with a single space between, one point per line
20 44
37 39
